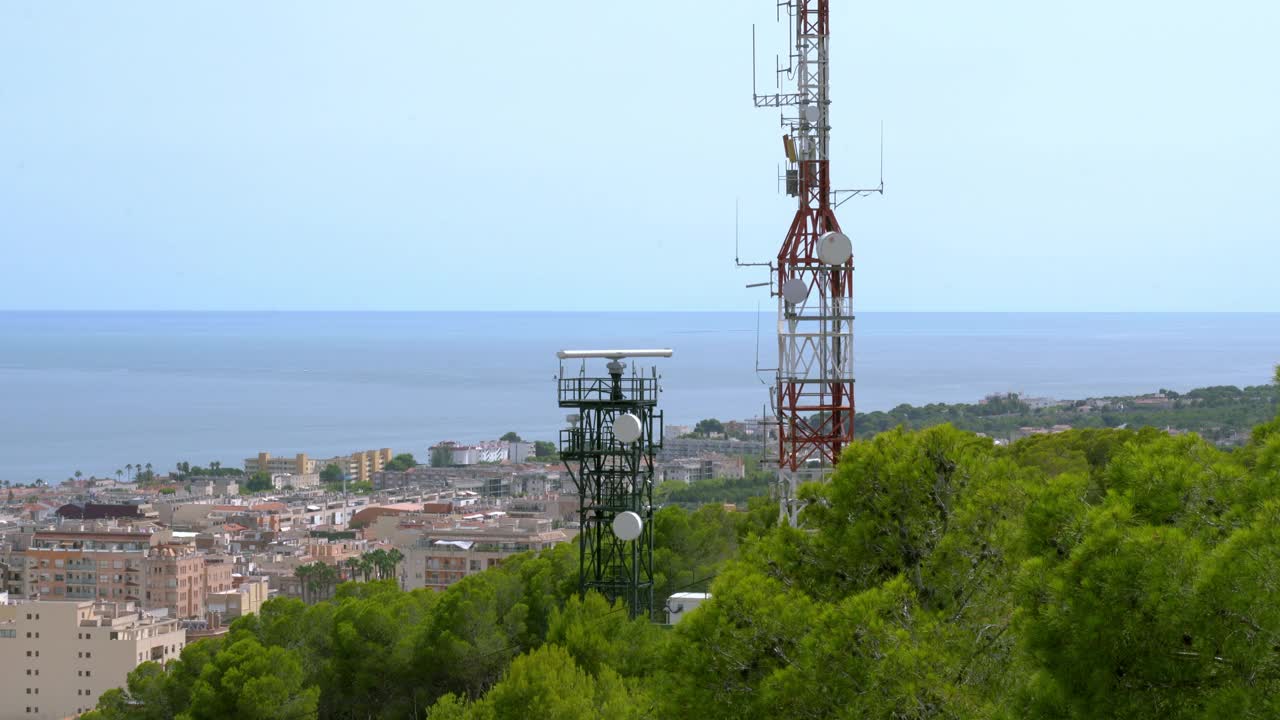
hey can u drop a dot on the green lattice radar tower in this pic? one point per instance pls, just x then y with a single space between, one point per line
608 449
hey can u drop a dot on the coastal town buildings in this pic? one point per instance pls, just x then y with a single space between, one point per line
440 551
295 481
450 453
1029 431
358 466
489 480
689 470
203 551
102 511
179 578
243 598
117 566
80 564
214 486
687 447
1154 400
368 515
1034 403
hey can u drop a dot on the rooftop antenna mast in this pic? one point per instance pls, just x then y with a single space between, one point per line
812 277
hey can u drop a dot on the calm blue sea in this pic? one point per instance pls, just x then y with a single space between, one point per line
94 391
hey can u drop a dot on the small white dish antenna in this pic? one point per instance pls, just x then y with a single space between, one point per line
834 248
572 419
811 114
626 428
627 525
795 290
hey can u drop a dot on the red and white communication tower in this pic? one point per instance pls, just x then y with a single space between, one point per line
812 397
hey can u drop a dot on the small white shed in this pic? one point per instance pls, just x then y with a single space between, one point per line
683 603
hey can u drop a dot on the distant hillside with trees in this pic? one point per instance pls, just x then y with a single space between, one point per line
1222 414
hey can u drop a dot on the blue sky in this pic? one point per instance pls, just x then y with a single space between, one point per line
587 155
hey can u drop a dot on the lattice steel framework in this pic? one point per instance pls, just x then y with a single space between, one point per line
612 477
812 396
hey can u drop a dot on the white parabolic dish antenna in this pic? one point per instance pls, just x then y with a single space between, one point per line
811 113
834 248
626 428
795 290
627 525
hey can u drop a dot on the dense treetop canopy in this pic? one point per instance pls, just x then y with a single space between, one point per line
1087 574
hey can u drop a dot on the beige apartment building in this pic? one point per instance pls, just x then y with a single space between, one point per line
58 657
242 599
359 466
121 567
299 464
440 553
179 579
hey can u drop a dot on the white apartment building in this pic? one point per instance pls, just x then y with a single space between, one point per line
59 656
214 486
518 452
297 481
489 451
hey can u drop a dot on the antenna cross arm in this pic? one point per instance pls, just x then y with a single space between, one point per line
839 197
778 100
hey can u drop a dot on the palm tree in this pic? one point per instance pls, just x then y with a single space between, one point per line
129 467
353 566
395 557
317 580
323 578
379 559
119 474
366 567
149 473
329 580
304 573
79 474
